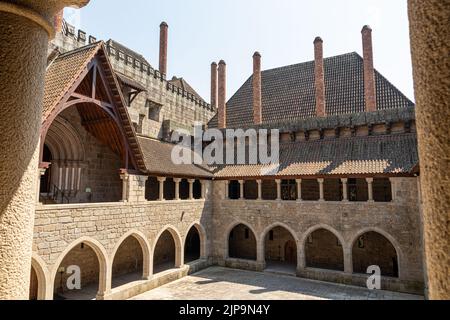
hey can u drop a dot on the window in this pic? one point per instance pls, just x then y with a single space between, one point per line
289 190
154 110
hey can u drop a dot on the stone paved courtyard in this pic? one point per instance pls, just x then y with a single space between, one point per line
218 283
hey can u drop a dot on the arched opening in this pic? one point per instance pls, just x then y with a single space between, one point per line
128 262
81 265
34 285
242 243
373 249
46 179
164 256
323 250
280 250
192 246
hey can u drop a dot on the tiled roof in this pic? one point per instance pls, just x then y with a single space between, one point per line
181 83
62 73
158 160
391 154
288 93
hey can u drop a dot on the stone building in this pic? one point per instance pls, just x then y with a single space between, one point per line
344 196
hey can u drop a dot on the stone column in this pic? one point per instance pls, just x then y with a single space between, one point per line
241 189
370 188
125 177
430 44
191 189
259 182
344 189
227 189
161 181
322 194
177 188
393 188
203 183
25 29
299 190
278 182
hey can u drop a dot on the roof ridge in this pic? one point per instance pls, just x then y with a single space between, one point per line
78 50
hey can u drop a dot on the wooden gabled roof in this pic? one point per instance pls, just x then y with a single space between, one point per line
80 78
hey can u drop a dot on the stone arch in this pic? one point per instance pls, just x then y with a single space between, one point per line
64 141
43 276
203 238
144 245
252 232
178 248
104 281
388 237
340 238
292 234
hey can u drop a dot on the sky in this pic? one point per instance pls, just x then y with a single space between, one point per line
283 31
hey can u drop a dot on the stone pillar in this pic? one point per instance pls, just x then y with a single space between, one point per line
393 188
177 188
322 194
25 29
370 188
319 77
125 177
430 45
241 189
203 183
278 182
344 189
191 189
299 190
133 187
348 261
161 181
257 99
259 182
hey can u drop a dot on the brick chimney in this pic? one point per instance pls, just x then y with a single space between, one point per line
221 102
58 20
163 39
319 76
214 85
257 100
369 73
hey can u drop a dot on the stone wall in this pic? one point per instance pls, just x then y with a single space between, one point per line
398 221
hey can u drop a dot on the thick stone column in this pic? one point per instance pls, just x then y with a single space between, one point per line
161 181
430 44
25 30
227 190
370 189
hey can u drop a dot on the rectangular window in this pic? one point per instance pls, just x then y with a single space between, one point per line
154 110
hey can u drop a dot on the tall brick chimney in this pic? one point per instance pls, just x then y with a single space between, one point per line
214 85
163 39
319 76
221 103
257 100
58 20
369 73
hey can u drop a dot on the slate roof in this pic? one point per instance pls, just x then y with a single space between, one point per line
373 155
158 160
181 83
288 92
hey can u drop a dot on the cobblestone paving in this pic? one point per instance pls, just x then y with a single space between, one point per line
218 283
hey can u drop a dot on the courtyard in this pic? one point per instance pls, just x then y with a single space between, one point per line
217 283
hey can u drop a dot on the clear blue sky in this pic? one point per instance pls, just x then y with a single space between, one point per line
202 31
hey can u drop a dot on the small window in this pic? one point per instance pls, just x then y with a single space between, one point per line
154 110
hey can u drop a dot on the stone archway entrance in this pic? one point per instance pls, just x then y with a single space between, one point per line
164 256
128 262
323 250
280 250
242 243
192 247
